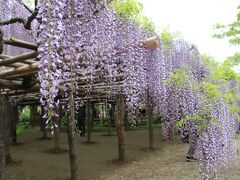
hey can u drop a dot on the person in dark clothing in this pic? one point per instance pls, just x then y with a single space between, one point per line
81 118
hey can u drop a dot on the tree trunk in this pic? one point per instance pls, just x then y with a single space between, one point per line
120 128
150 122
89 121
72 141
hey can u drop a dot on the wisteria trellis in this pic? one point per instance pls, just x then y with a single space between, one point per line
79 38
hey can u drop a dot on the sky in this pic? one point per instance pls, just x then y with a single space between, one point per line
195 20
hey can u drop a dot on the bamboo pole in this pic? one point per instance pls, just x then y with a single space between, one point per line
21 71
18 58
10 83
21 43
24 62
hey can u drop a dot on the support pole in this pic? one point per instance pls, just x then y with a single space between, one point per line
72 141
6 118
43 123
89 121
56 133
2 140
14 121
120 128
150 122
33 110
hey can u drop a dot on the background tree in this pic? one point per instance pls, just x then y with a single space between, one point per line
231 31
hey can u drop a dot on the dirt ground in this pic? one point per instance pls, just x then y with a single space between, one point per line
167 162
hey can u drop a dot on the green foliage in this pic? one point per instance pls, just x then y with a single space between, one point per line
128 8
167 37
133 10
230 31
22 128
232 60
177 78
209 60
24 118
25 114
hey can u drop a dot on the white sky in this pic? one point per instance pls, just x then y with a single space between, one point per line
195 20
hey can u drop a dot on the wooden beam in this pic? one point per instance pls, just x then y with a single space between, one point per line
19 58
21 44
21 71
10 82
15 65
151 43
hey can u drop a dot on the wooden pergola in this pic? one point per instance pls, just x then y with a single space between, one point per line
17 68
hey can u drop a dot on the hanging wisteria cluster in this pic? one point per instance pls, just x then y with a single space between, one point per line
86 48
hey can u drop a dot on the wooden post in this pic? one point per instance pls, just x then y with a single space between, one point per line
120 128
109 121
2 159
2 139
32 114
7 120
56 134
150 122
14 121
89 121
43 123
72 141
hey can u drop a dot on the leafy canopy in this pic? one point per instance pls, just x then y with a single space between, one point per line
231 31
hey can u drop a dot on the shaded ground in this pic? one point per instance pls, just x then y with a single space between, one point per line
165 163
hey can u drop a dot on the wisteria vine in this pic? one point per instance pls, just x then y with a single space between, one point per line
86 41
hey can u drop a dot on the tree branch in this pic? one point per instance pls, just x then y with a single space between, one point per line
28 8
12 21
36 3
30 19
26 22
1 41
